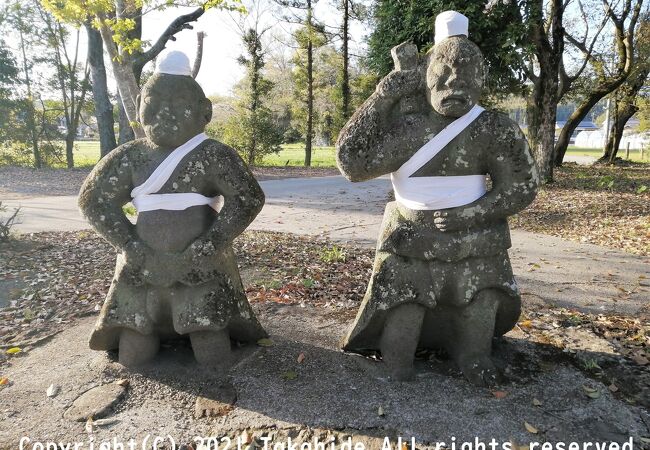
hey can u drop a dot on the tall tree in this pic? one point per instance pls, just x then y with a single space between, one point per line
251 130
546 70
310 31
628 97
70 79
350 10
18 14
120 25
625 23
101 98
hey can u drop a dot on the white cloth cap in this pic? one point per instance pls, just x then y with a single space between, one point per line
174 62
450 23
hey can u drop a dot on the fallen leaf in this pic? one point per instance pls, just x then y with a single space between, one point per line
89 425
613 387
588 389
265 342
537 402
301 358
122 382
593 395
246 437
4 381
380 412
52 390
289 375
499 394
13 350
531 429
104 422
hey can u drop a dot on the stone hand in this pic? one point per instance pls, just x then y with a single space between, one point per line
401 84
445 221
135 253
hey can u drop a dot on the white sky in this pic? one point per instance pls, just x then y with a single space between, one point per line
222 45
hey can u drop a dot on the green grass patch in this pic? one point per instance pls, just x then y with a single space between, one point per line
635 155
294 155
86 154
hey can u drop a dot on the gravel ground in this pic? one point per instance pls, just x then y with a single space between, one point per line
23 182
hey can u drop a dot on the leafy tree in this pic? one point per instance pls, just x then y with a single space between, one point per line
498 34
624 17
309 36
120 25
252 130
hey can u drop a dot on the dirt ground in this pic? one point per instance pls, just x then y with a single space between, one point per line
23 182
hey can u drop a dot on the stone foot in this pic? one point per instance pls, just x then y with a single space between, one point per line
136 349
479 370
212 349
400 338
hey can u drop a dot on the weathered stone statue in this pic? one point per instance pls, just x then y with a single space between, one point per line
441 277
176 272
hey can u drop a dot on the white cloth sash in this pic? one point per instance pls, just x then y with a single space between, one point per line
434 193
145 197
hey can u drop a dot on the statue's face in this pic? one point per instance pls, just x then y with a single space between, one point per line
454 76
173 109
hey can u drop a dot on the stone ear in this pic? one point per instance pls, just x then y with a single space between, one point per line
208 110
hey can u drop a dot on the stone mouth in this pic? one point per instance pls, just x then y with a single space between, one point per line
454 100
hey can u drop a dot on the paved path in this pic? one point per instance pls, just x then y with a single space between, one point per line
550 270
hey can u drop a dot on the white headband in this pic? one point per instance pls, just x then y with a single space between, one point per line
450 23
174 62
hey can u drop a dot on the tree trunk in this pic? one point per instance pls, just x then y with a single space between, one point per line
345 76
542 107
310 87
578 116
125 132
625 108
103 105
31 112
69 148
127 84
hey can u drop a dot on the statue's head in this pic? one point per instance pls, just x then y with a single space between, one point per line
456 68
172 107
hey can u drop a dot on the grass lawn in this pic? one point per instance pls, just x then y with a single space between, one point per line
87 153
294 155
635 155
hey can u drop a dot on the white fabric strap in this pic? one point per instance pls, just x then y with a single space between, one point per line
434 193
438 142
145 199
175 202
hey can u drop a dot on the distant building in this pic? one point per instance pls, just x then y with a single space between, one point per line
585 125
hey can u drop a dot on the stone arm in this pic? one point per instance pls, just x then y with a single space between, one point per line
243 200
376 140
514 181
103 194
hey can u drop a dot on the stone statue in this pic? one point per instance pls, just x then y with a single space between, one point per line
176 272
442 277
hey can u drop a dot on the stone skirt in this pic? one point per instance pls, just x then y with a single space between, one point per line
180 309
397 280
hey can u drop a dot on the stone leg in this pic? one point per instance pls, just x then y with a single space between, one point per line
212 348
400 338
136 349
473 330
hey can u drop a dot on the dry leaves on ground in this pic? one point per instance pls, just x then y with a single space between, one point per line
604 205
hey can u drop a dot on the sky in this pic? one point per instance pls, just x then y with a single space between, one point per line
222 45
